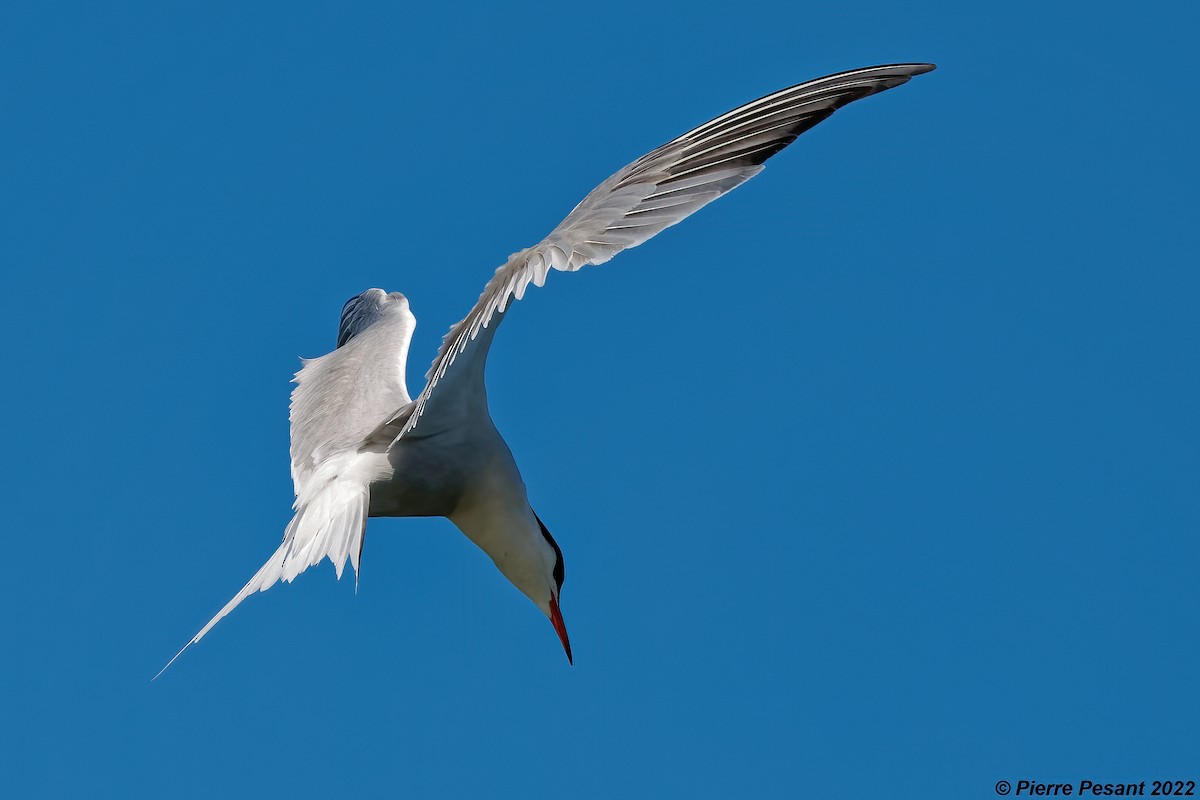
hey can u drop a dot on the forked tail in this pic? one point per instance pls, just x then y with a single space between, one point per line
330 524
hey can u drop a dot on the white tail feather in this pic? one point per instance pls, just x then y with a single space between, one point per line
330 524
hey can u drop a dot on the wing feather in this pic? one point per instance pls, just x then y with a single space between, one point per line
342 396
653 193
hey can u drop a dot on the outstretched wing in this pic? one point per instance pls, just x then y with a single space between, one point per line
658 190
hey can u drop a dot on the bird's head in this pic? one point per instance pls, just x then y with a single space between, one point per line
522 548
546 593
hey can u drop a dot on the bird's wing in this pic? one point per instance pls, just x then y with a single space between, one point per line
339 399
658 190
343 396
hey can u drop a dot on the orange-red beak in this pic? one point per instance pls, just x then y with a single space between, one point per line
560 628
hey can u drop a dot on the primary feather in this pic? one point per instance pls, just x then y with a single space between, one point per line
658 190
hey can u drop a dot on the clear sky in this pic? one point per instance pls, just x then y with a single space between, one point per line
876 478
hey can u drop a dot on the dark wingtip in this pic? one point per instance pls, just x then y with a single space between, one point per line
914 68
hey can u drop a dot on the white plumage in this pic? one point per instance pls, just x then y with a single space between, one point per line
361 447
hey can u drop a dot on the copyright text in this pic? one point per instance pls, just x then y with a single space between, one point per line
1088 788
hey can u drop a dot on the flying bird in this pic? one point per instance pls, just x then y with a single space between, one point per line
362 447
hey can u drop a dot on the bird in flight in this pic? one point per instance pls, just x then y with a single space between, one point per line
361 447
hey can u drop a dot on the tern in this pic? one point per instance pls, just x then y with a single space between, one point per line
362 447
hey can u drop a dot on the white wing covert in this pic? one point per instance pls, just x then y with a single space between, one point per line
344 395
658 190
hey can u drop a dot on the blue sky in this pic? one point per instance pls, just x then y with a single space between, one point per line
877 477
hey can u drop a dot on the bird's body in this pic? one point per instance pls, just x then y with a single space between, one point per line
361 446
468 475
